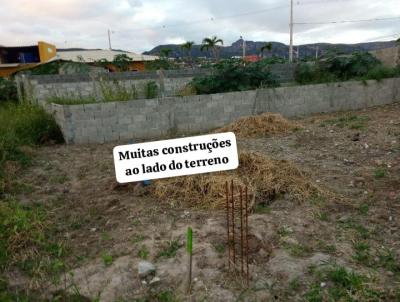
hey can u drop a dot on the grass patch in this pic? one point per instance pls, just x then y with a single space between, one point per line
350 121
23 125
298 250
143 252
379 173
27 240
362 253
219 248
107 259
138 238
341 284
71 100
170 249
388 260
262 208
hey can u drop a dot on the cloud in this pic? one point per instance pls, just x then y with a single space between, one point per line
139 25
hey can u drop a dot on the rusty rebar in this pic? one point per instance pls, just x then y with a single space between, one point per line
233 223
247 235
228 224
241 231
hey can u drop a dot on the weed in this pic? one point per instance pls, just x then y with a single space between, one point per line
364 209
326 248
285 231
58 179
350 121
262 208
298 250
362 254
26 241
219 247
294 285
317 200
388 261
117 92
107 259
71 100
143 252
379 173
170 249
138 238
106 236
21 125
314 294
323 216
151 90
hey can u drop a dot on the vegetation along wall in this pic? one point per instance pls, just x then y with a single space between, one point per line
41 88
152 118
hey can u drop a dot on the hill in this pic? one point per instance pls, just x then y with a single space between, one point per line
278 49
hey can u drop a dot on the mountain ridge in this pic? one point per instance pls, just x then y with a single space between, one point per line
278 49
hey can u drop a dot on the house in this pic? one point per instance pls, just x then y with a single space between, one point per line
14 59
91 57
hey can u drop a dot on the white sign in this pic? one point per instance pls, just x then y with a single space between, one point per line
176 157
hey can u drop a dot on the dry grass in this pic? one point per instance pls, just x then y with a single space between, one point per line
266 179
260 125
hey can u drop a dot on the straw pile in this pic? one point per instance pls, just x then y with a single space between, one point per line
266 180
260 125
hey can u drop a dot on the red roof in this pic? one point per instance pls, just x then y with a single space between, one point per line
252 58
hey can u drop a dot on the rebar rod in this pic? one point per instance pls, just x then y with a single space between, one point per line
233 224
228 224
241 231
247 236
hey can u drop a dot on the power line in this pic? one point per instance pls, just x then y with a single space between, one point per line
347 21
209 19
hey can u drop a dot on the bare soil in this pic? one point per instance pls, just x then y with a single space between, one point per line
353 155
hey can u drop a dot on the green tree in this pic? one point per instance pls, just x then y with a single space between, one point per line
122 62
165 52
266 47
212 43
187 48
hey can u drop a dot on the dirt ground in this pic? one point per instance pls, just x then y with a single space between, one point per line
108 229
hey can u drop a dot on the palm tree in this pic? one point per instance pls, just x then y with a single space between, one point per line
267 47
212 43
187 47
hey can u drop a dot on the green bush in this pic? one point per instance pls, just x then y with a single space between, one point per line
381 72
358 66
151 90
8 90
233 75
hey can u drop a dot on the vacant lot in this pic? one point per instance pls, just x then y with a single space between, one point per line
342 245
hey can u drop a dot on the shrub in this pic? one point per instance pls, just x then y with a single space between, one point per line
151 90
358 66
8 90
23 124
233 75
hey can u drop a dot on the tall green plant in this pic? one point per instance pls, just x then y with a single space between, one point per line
232 75
8 90
212 43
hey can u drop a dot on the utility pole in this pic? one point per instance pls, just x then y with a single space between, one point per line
243 47
109 39
291 33
316 53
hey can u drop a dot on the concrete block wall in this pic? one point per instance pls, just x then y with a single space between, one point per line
169 82
153 118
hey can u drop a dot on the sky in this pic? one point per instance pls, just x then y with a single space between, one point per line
140 25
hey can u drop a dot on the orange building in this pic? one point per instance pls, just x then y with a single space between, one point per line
13 59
